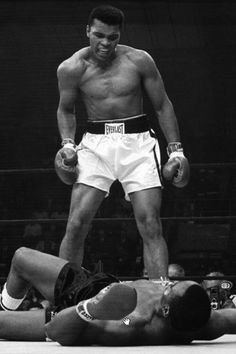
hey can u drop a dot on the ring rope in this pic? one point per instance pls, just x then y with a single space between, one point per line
49 170
196 278
173 218
27 170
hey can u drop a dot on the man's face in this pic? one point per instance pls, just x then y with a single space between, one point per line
103 39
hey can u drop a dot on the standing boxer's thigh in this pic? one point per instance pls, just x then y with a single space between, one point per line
146 203
85 201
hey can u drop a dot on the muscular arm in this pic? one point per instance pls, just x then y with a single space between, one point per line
67 84
163 107
72 326
66 327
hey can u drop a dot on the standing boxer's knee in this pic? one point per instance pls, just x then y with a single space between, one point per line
77 228
150 227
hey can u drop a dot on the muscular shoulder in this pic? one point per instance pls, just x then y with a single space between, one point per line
73 68
140 58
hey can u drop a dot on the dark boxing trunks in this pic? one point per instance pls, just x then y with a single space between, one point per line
74 285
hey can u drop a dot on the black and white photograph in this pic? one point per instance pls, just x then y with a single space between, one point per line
118 176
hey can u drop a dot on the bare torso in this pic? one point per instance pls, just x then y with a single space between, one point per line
142 327
110 91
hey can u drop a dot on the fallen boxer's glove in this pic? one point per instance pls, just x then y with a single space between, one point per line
112 303
65 162
177 168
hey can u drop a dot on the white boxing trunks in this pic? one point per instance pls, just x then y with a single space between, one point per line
113 154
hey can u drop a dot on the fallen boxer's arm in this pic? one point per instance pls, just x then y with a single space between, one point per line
112 303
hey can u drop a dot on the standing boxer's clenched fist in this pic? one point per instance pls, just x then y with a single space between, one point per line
65 163
177 168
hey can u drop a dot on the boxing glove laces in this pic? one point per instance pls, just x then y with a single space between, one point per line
176 169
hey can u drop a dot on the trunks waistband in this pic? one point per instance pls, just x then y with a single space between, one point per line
129 125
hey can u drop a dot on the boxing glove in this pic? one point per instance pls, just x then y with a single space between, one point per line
65 163
177 168
114 302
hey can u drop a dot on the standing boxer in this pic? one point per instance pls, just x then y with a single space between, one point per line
117 143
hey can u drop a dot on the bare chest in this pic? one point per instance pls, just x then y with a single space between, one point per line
119 80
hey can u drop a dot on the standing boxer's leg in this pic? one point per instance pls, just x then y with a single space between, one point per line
85 201
146 205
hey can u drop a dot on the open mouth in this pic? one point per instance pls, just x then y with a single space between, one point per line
103 51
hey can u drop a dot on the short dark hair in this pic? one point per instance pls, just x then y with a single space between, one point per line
190 311
107 14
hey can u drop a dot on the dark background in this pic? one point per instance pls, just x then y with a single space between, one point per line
193 44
